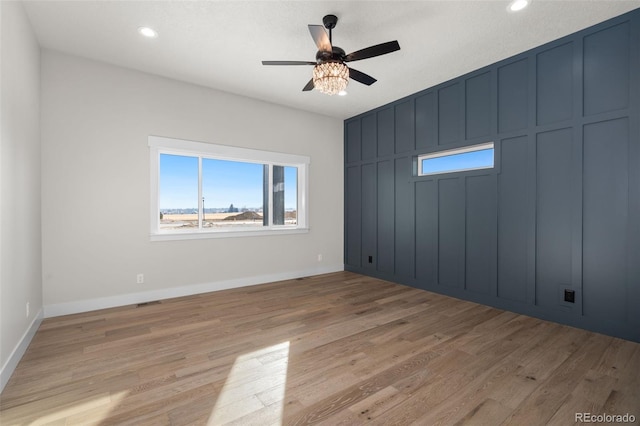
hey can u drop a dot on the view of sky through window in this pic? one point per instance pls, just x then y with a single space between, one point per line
223 183
232 182
178 182
455 162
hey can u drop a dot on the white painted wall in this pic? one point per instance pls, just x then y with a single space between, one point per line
95 194
20 242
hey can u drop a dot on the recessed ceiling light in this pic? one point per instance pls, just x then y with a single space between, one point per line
148 32
342 93
517 5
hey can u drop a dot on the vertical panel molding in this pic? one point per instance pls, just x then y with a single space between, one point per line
559 211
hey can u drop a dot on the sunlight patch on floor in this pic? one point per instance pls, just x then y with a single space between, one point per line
254 389
89 407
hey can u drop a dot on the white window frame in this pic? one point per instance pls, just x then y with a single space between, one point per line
455 151
162 145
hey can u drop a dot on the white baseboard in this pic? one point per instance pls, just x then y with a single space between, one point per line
9 367
87 305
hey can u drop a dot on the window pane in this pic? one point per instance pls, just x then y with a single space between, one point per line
178 192
232 193
291 195
458 162
285 195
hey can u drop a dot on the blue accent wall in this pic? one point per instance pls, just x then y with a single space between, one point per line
559 211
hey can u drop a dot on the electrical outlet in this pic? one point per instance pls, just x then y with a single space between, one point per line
140 278
570 296
319 258
27 309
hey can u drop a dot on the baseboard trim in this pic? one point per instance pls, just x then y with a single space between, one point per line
10 365
87 305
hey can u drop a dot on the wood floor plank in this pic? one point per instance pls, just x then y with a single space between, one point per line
334 349
470 398
550 396
487 412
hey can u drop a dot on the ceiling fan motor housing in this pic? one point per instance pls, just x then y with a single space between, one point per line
337 55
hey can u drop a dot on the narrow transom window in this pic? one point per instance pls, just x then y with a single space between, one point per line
201 190
473 157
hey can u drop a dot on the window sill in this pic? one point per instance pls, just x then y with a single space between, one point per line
174 236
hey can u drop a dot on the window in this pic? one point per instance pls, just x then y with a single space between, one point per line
457 160
201 190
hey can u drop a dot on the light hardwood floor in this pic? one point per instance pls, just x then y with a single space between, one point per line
336 349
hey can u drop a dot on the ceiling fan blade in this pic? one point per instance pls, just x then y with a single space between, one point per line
288 63
320 37
361 77
309 86
370 52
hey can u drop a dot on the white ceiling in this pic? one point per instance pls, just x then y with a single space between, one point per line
220 44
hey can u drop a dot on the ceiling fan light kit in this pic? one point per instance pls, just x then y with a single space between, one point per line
330 78
330 74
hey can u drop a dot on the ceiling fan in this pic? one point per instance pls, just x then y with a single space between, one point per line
330 74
